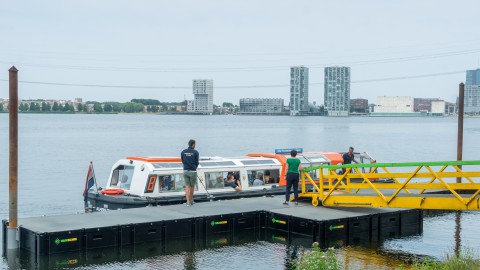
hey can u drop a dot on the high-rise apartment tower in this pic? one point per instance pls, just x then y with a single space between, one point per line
298 90
203 96
472 92
337 91
473 77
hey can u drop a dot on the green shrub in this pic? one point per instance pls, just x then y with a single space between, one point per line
317 259
427 264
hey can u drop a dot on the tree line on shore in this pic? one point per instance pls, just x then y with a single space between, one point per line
133 106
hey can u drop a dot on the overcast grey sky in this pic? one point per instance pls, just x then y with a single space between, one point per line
164 44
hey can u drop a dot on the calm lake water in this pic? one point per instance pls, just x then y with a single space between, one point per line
55 151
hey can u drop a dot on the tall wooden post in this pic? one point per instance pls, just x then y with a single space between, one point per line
13 183
461 94
458 235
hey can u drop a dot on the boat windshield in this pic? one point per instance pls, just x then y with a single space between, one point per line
122 177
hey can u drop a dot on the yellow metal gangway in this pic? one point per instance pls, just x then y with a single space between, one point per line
420 185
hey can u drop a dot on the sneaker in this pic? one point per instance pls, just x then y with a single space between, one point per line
285 203
187 204
296 203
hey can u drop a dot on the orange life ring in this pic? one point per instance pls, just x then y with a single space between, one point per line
113 191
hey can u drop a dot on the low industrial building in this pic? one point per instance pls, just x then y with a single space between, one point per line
261 106
359 105
409 106
394 106
423 104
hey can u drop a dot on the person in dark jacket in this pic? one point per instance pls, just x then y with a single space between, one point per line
190 162
348 158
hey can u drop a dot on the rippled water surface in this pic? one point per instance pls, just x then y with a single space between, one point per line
55 150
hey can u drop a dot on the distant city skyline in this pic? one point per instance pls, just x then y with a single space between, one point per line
118 50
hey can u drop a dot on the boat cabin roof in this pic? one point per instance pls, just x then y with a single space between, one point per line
306 157
156 159
160 163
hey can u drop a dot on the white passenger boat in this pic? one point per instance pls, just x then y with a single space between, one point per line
142 181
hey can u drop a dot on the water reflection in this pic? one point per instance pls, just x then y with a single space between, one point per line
273 249
247 249
444 232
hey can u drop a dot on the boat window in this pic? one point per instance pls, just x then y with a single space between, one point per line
256 162
172 182
313 174
263 177
122 177
303 160
271 176
217 163
365 160
216 180
167 165
317 159
114 181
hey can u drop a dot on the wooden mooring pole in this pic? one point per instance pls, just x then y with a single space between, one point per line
12 242
461 94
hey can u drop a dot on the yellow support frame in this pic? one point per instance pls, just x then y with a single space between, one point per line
413 186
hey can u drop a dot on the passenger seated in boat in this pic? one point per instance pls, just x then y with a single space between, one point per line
123 182
268 179
219 183
258 180
232 182
167 182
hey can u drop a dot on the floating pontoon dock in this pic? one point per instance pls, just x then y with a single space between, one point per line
328 226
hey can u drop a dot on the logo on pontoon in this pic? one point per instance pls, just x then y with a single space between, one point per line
213 223
279 238
67 262
278 221
336 227
66 240
221 241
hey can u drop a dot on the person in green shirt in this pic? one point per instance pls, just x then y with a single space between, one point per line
293 169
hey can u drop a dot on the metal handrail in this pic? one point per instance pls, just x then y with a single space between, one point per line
402 185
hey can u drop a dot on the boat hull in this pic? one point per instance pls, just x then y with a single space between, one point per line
125 201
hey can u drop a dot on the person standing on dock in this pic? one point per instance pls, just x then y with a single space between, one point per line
190 158
293 169
348 158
